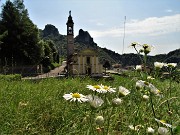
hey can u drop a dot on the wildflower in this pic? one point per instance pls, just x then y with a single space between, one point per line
158 65
136 128
150 130
99 120
140 84
150 78
94 87
147 48
155 91
134 44
23 104
138 67
171 64
116 102
131 127
141 51
162 131
105 89
101 88
164 123
145 97
123 91
94 101
75 97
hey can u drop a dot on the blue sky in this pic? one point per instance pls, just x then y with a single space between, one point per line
154 22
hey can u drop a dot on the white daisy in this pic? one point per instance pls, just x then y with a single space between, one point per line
75 97
171 64
164 123
94 87
101 88
159 65
140 84
94 101
123 91
105 89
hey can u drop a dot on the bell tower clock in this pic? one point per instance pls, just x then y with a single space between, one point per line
70 36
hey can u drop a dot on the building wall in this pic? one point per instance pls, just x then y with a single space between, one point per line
81 66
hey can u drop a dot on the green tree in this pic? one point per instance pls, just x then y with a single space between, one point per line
54 51
21 44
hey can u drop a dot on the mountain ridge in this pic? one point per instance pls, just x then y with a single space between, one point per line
84 40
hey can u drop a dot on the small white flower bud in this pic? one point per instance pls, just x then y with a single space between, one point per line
150 130
116 102
145 97
162 131
99 120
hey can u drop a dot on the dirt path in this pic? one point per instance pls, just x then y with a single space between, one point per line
53 73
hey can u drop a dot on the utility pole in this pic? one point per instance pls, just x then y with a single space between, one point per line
124 33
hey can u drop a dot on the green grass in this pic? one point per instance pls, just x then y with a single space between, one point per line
38 107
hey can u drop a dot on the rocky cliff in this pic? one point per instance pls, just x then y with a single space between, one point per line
85 38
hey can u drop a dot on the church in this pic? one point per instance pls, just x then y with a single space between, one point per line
85 62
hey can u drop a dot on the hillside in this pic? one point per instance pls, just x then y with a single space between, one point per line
84 40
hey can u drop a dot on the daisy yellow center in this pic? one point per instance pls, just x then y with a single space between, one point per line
162 121
146 83
106 87
76 95
97 87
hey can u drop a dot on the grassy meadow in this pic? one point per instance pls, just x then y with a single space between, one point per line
38 108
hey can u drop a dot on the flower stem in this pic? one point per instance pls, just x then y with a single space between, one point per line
108 120
152 107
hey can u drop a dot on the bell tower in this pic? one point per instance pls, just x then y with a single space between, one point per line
70 36
70 43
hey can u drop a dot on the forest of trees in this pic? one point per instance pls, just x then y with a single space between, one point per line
20 42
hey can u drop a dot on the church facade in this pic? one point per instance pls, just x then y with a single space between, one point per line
85 62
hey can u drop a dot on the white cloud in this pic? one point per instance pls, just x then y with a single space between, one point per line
168 10
152 26
99 24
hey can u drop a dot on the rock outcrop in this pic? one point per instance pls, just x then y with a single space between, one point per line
84 37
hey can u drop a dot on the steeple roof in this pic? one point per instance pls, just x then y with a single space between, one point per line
70 18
